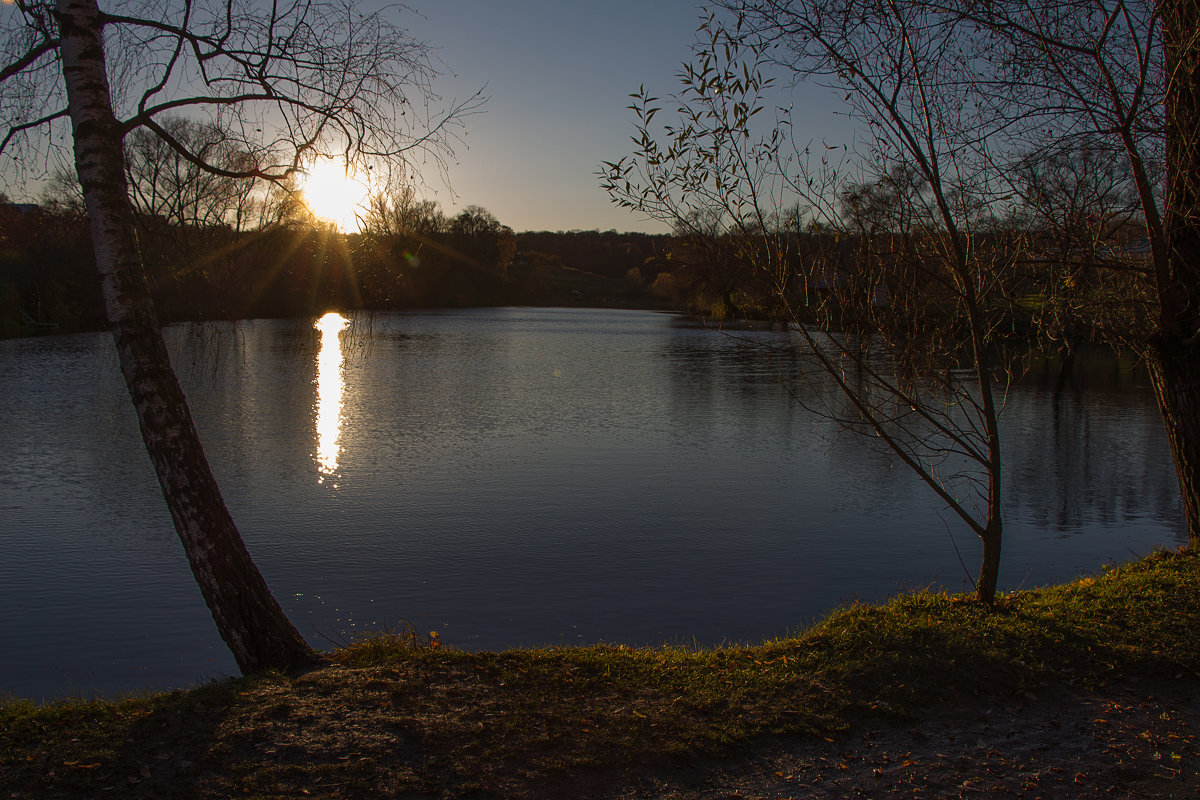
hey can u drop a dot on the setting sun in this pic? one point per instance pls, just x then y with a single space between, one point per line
334 193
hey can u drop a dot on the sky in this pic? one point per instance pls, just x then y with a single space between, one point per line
558 74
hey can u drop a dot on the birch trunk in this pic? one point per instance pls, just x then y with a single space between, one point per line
247 615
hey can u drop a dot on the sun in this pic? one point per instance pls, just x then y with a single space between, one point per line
334 193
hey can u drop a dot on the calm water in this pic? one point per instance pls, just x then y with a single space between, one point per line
513 477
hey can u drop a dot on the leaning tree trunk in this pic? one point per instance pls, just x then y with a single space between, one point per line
247 615
1174 354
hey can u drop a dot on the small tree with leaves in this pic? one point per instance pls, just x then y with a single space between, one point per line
896 308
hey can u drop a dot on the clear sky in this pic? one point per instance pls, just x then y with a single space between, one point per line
558 74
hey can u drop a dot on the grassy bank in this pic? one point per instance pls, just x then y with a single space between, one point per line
391 717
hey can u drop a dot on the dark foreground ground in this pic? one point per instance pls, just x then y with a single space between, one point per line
1135 739
1087 690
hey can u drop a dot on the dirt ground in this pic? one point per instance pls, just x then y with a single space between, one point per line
1140 739
335 734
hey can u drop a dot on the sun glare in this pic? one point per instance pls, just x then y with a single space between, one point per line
330 387
334 193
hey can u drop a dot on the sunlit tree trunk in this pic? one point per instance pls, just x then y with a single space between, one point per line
1174 354
247 615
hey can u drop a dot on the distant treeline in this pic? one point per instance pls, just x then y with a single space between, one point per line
48 278
301 268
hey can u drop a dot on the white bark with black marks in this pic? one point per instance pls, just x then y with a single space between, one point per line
249 619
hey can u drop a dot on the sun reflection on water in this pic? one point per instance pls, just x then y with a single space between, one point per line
330 387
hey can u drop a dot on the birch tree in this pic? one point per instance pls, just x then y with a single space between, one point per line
290 80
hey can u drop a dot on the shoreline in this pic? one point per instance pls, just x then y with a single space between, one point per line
1062 691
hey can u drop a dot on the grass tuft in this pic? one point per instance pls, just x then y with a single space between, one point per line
377 648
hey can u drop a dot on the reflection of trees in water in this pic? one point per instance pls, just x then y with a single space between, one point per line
742 387
1086 445
725 378
769 367
246 381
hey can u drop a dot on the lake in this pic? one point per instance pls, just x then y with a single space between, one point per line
516 477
